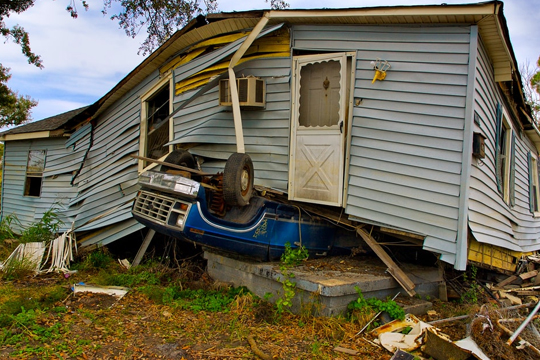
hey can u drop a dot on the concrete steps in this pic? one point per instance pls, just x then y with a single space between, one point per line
326 286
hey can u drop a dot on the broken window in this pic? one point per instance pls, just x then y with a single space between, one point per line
34 173
155 129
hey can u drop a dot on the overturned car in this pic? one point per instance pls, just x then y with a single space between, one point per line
221 211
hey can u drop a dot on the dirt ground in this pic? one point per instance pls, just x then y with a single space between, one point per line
97 326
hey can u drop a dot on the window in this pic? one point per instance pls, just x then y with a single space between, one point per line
34 172
505 157
534 189
155 125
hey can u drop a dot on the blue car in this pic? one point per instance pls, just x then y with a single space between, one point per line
195 211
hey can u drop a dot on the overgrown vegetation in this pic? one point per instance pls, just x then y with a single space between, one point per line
290 258
362 309
170 311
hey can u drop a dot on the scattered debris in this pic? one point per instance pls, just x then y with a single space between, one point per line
256 349
404 334
61 252
125 263
345 350
116 291
31 253
402 355
441 347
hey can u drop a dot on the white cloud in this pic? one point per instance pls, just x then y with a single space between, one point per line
85 57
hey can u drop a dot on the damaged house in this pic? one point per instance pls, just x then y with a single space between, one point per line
410 120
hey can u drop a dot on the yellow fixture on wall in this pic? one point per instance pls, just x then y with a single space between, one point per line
380 67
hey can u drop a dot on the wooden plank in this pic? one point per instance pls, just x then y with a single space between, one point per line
393 269
144 246
179 167
346 350
507 281
529 274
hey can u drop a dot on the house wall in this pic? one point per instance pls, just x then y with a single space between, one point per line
491 219
55 192
210 128
90 175
407 131
107 183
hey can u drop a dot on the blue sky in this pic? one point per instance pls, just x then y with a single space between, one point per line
85 57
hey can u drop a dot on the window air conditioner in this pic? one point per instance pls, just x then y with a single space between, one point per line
251 92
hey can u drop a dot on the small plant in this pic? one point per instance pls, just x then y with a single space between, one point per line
45 229
6 227
289 258
17 269
209 300
362 307
473 294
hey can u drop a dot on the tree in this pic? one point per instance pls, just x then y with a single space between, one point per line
15 109
160 18
531 87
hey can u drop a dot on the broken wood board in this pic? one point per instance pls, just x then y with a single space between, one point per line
393 269
116 291
441 348
489 256
528 274
404 235
174 166
346 350
506 281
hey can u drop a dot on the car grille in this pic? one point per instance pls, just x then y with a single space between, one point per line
152 206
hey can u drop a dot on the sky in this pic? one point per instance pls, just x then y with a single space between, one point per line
86 57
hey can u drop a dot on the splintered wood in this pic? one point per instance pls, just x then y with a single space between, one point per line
393 269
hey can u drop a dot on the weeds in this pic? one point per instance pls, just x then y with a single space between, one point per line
6 227
474 292
45 229
290 258
17 269
362 309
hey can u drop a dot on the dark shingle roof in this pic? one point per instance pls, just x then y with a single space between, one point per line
48 124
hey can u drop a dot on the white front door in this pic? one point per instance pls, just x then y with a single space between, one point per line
318 128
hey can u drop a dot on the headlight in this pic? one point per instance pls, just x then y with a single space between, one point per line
180 221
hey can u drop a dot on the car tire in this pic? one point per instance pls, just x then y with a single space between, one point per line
238 180
179 157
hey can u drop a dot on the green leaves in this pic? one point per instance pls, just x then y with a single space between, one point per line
366 306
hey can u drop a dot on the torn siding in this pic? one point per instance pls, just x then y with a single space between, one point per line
106 183
491 219
407 131
210 128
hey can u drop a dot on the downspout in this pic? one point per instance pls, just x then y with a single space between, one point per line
237 116
466 158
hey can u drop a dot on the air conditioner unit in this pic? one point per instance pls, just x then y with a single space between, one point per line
251 92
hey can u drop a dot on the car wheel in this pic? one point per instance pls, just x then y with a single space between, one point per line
238 180
179 157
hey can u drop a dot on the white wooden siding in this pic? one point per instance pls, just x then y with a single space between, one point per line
266 131
491 220
407 131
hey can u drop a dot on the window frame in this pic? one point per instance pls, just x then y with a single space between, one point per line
506 143
143 137
29 176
